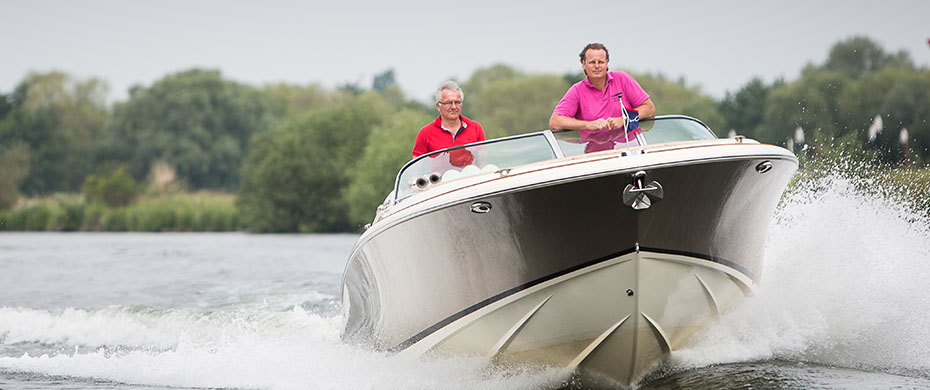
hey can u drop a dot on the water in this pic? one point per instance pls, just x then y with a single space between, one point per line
843 303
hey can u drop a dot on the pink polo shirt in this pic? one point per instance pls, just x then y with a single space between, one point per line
585 102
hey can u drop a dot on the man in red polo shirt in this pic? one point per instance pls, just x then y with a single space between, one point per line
451 128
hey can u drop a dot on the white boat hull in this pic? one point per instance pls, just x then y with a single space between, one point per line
591 319
550 263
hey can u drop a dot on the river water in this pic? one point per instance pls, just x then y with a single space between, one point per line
844 302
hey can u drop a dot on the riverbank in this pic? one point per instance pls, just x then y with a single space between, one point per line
183 212
207 211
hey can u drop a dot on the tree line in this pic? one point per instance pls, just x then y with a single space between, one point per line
312 159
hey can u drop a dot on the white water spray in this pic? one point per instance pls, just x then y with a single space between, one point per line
844 284
247 347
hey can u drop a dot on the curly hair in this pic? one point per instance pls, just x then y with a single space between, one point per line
594 46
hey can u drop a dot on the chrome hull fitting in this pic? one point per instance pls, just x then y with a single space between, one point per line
563 264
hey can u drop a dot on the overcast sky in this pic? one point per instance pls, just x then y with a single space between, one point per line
719 45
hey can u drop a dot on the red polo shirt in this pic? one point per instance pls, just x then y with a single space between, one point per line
433 137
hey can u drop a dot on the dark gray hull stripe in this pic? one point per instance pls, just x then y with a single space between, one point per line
473 308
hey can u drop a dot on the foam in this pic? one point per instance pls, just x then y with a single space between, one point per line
241 348
844 284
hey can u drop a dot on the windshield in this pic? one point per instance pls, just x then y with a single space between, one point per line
488 156
654 131
675 128
502 153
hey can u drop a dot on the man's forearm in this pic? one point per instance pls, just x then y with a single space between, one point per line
559 122
647 109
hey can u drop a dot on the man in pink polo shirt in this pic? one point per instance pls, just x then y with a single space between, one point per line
451 128
592 105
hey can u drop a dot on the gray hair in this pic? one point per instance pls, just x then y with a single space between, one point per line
450 85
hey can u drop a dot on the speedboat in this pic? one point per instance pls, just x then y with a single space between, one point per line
597 251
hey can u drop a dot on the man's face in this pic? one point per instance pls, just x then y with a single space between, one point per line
595 63
450 106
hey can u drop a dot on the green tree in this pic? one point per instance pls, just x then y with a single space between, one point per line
483 77
294 176
907 105
388 149
836 103
288 101
6 105
14 167
858 56
517 105
111 185
744 110
195 120
383 80
58 119
863 98
677 97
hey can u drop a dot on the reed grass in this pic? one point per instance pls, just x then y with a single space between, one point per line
910 186
192 212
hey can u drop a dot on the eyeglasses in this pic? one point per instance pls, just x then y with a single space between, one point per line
455 102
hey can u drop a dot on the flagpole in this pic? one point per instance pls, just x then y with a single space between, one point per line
626 118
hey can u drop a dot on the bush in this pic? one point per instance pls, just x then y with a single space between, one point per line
913 184
93 217
210 220
184 219
16 220
225 220
117 220
113 186
72 215
37 217
154 219
202 211
14 161
5 216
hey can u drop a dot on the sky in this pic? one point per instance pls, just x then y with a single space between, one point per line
718 45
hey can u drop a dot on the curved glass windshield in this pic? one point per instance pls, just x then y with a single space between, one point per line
488 156
654 131
672 129
574 143
493 155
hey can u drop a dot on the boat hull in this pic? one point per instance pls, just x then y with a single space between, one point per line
612 320
562 271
